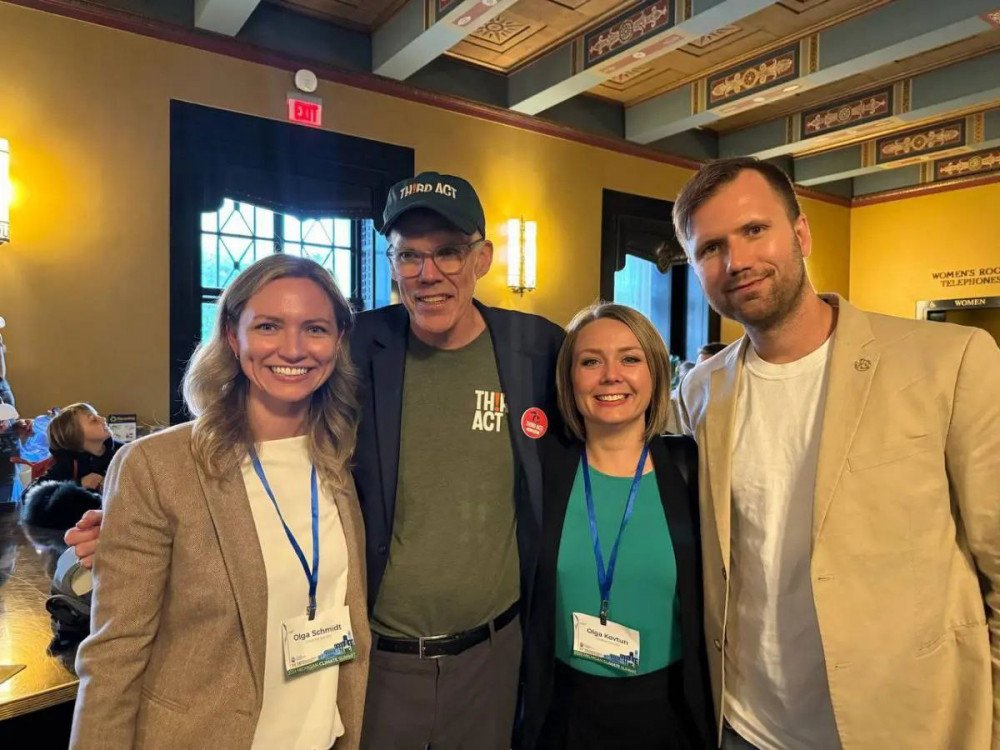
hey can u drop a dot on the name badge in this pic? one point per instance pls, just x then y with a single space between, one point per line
321 642
613 645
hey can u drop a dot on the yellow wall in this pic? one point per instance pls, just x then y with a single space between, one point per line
84 284
896 246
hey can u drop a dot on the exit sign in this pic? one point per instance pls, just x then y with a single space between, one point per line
305 110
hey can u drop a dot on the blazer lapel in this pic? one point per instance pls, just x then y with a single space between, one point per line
853 362
562 463
229 507
673 495
388 363
720 418
516 384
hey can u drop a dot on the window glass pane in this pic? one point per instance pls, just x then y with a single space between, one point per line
235 253
265 223
210 221
318 231
342 232
207 318
342 271
239 234
236 219
641 285
209 260
262 248
322 255
293 228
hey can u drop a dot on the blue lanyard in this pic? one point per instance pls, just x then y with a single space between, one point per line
311 575
605 577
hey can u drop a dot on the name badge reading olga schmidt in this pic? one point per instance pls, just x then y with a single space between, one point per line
612 645
321 642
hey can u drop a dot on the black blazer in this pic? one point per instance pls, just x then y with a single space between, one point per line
675 461
526 347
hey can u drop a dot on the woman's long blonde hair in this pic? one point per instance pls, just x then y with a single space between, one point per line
215 388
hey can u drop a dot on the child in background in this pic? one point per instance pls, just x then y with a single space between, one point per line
82 446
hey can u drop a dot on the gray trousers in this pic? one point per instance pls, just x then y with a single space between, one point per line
463 702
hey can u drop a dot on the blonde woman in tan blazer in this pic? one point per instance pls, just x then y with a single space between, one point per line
202 603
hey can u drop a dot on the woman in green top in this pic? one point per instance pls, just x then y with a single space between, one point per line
615 653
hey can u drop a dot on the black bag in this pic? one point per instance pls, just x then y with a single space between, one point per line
69 604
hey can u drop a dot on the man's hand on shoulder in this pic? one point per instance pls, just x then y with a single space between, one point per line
84 537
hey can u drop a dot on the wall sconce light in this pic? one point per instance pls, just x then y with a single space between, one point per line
522 255
5 191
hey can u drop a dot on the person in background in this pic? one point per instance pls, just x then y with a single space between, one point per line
6 394
81 446
709 350
11 430
229 601
619 555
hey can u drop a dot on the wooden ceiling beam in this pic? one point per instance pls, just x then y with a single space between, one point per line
631 39
892 32
923 146
223 16
421 31
953 88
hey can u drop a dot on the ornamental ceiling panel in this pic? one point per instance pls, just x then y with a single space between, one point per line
361 14
548 25
774 26
880 76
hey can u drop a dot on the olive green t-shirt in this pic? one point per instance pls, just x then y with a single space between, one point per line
453 560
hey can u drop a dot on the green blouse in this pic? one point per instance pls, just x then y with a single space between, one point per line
644 593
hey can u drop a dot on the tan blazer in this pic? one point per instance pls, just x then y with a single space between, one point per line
176 654
906 521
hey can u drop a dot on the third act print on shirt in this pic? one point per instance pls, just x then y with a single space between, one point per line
490 408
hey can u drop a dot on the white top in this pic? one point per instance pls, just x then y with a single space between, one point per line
777 694
299 713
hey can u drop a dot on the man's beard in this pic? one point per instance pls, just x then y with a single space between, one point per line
772 307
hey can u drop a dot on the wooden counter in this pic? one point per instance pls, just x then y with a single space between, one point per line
27 560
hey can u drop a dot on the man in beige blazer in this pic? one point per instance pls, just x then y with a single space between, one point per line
850 496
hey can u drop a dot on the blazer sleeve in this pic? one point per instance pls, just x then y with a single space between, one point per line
130 575
972 456
683 417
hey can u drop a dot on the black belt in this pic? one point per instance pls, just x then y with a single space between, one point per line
446 645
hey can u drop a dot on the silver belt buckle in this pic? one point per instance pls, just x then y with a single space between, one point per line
422 639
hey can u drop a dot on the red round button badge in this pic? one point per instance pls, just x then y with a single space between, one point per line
534 423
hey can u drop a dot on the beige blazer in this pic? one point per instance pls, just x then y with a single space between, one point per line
906 524
175 658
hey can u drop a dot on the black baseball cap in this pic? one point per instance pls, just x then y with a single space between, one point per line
444 194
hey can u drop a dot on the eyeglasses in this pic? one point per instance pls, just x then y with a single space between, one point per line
449 259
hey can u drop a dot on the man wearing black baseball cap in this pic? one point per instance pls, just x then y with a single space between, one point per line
454 398
448 478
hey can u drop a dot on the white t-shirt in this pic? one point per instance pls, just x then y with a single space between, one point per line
298 713
777 695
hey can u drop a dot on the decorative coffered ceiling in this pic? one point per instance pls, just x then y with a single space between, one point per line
853 96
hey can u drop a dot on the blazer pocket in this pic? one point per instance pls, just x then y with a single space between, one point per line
167 703
896 451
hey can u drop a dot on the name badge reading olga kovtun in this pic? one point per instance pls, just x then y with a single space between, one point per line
613 645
